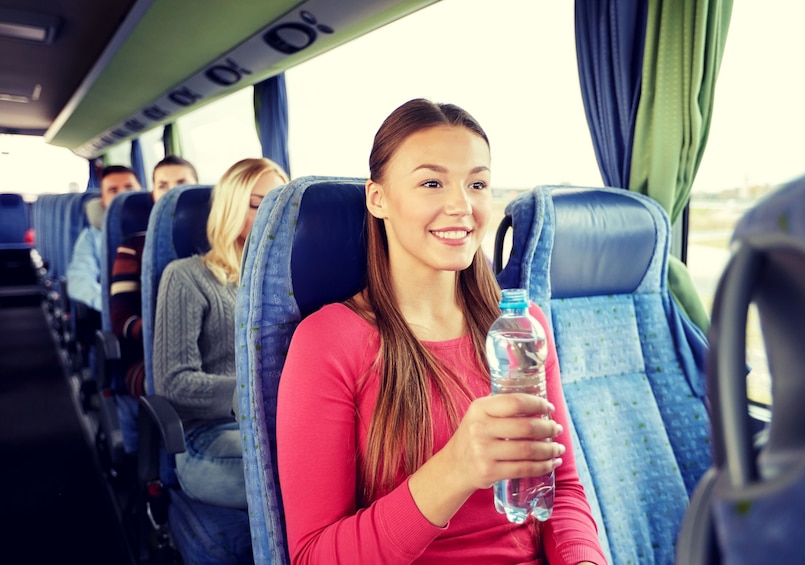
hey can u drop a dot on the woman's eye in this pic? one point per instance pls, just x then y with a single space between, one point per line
431 184
254 206
480 185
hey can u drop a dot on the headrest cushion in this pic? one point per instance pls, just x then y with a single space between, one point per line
190 233
583 263
135 212
328 260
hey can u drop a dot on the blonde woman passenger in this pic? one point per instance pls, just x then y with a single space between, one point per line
194 343
388 439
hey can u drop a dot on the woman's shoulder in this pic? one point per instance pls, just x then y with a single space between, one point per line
187 270
337 322
192 264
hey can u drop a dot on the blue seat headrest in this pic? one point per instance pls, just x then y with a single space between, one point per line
596 265
134 216
190 234
328 260
11 200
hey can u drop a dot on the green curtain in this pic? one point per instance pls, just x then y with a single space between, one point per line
171 141
684 46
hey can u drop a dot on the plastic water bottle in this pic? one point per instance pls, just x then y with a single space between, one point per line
516 349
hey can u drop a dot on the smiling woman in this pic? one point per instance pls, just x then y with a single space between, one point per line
404 385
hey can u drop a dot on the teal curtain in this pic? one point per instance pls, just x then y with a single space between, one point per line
684 46
682 56
171 141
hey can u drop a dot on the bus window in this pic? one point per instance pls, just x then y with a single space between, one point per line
31 167
219 134
537 126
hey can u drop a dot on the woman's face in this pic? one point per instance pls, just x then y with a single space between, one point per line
265 183
434 199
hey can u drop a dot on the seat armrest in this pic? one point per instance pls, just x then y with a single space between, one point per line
107 349
158 426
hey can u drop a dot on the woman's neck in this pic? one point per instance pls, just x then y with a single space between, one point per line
430 307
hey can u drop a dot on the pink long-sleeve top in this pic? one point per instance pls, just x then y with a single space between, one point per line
324 411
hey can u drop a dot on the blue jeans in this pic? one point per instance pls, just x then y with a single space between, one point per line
211 468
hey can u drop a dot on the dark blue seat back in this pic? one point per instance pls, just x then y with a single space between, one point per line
307 248
126 216
14 220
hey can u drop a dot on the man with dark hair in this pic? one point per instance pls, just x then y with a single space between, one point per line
84 271
170 172
125 306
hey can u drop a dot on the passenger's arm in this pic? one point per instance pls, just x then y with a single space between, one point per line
125 306
178 373
84 272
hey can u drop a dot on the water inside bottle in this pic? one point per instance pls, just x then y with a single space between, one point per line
517 498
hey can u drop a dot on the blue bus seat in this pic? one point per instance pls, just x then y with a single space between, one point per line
126 216
14 220
750 506
203 533
595 260
307 248
18 283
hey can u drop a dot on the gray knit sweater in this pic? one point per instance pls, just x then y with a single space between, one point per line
194 342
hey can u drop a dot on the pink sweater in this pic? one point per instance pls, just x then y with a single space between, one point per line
323 415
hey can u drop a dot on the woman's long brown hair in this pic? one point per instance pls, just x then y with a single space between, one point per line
401 432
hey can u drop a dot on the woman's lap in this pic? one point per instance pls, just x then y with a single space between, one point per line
211 468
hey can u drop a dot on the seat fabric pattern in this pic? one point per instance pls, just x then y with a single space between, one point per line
596 261
306 249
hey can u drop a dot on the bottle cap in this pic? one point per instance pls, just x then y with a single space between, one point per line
514 298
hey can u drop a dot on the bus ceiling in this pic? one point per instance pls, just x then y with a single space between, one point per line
89 74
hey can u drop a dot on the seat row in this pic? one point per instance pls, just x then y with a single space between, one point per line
57 221
594 259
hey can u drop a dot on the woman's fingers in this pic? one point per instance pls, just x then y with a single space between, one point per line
515 404
523 427
524 450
